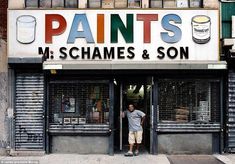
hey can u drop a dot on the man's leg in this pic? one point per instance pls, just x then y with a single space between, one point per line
137 146
131 140
138 141
131 147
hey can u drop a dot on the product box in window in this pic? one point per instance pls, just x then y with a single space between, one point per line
181 114
74 120
82 120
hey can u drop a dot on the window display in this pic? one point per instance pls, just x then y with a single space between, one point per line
79 103
185 101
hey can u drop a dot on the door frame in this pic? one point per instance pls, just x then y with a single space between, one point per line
153 111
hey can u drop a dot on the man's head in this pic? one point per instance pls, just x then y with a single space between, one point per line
131 107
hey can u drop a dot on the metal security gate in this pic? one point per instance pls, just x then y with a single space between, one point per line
231 112
29 111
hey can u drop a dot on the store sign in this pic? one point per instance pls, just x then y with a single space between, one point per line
115 35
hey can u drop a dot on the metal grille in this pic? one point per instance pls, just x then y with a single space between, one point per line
29 113
189 100
231 111
91 102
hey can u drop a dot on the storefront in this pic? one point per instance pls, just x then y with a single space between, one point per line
74 71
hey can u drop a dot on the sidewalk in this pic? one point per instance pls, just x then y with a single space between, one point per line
99 159
90 159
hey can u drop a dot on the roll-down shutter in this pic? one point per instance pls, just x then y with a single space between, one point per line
29 113
231 112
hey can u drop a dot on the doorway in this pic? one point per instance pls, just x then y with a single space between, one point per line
139 92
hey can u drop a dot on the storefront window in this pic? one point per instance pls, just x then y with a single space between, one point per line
185 101
79 103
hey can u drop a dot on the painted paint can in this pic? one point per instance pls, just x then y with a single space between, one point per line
201 29
26 28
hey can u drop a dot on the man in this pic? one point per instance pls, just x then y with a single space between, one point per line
135 120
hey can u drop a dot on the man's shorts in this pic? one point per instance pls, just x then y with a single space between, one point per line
135 136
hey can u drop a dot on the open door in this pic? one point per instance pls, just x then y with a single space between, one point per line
139 92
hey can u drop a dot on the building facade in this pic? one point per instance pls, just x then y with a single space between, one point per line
228 34
4 119
72 71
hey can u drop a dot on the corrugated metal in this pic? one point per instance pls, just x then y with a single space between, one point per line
231 111
29 113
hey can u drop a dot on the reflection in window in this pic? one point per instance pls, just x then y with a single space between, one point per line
57 3
45 3
115 3
107 4
32 3
185 101
175 3
94 3
156 3
134 3
195 3
182 3
71 4
79 103
169 3
120 3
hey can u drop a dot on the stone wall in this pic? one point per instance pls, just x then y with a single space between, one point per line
4 137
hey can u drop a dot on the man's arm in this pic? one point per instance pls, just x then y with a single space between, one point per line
142 121
122 114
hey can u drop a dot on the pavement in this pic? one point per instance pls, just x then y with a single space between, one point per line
119 159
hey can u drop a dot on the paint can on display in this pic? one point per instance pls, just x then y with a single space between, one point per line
201 29
26 27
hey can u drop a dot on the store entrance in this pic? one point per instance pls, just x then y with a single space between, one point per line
136 91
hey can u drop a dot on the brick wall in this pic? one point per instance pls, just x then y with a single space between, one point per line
3 19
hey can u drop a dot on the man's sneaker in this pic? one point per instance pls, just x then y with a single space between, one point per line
128 154
137 152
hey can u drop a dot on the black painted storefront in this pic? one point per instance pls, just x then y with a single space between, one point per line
95 137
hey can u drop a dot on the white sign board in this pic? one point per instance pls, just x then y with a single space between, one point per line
114 35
